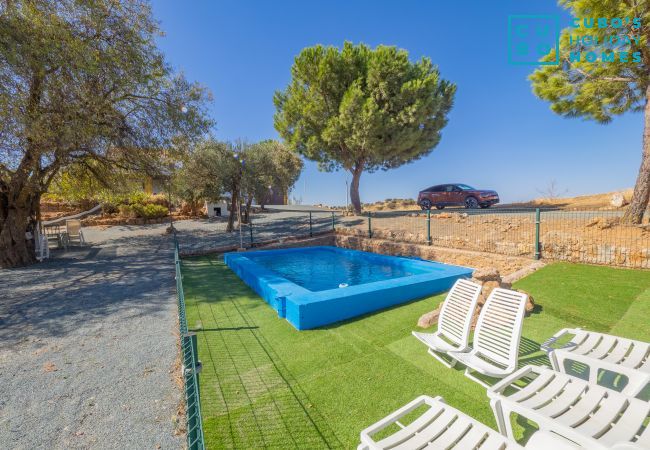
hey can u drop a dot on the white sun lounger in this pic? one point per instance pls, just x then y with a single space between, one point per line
599 351
587 414
441 426
495 349
455 321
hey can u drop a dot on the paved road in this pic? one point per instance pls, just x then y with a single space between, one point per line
87 347
204 234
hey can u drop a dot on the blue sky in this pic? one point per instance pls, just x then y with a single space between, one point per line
499 135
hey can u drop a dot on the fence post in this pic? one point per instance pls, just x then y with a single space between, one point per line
369 224
191 375
311 234
428 227
250 230
537 222
333 227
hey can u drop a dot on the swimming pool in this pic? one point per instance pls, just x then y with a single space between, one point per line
317 286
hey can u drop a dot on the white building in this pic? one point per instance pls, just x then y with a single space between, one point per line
216 209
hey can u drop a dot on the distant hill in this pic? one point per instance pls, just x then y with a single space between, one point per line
583 201
595 201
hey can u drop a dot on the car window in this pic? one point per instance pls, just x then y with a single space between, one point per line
449 188
465 187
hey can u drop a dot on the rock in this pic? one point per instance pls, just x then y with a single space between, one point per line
488 274
430 318
618 200
489 286
530 304
603 223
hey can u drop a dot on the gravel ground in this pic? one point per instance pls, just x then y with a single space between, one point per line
87 346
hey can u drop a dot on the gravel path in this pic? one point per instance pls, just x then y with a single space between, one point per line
87 347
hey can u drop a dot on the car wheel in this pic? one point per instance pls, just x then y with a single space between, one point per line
471 203
440 206
425 204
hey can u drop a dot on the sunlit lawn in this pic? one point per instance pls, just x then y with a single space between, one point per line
265 384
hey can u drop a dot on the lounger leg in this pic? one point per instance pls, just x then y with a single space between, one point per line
441 359
498 416
554 363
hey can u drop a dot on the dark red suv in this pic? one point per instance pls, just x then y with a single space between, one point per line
456 195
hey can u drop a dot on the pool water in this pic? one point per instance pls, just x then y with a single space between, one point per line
316 286
320 269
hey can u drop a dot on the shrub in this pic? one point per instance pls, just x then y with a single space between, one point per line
109 208
150 211
158 199
126 211
137 198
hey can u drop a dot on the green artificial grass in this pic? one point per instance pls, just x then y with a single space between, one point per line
265 384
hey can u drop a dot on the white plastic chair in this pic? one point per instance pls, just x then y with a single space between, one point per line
495 349
455 321
74 232
442 426
586 414
599 351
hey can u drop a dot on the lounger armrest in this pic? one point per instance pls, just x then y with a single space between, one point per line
498 388
366 435
547 345
543 440
637 380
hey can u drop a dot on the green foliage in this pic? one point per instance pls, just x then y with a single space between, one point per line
84 84
149 211
597 90
360 109
212 171
601 90
269 165
146 211
209 172
126 210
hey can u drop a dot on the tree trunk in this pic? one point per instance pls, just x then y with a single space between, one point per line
18 219
639 202
247 211
234 205
354 188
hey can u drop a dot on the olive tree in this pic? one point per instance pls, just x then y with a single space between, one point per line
269 165
212 171
362 109
82 82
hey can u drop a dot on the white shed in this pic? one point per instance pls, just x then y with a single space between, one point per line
216 209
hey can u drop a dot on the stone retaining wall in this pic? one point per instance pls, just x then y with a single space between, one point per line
505 264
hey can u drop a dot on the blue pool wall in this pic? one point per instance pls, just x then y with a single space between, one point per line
305 309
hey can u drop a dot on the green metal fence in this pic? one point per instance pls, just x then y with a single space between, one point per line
594 236
191 365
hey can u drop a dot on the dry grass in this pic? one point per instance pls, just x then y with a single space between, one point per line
594 201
